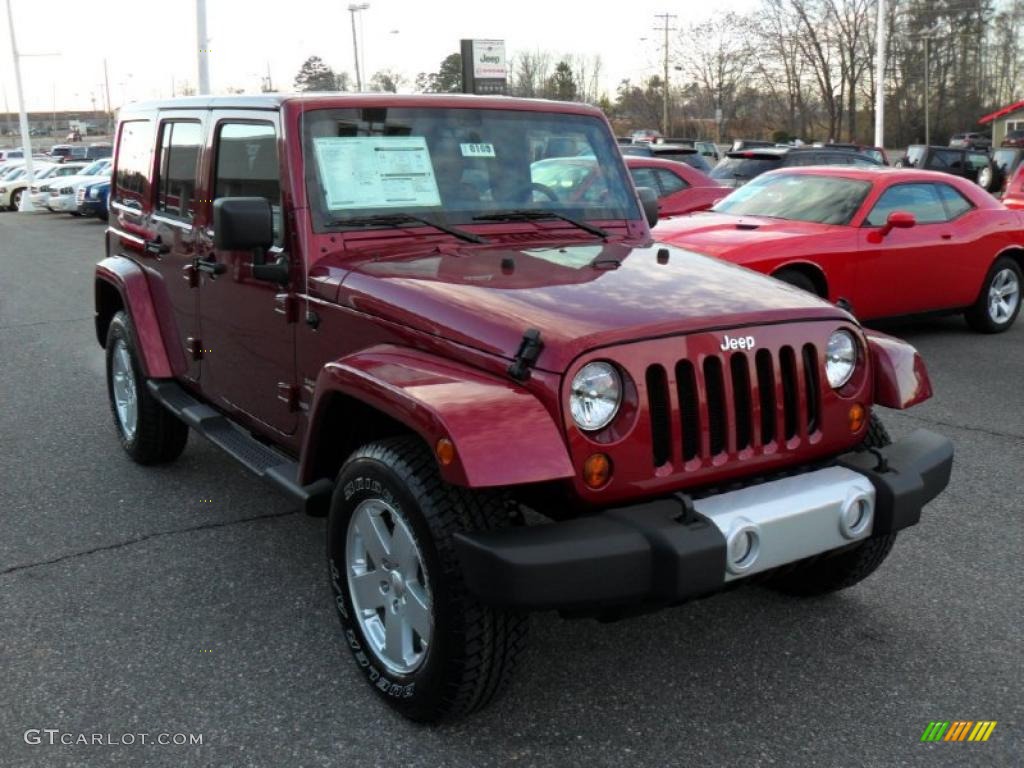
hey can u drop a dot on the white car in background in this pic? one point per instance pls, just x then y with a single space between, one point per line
63 196
14 183
55 175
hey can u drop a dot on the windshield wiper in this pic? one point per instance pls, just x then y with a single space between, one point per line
394 219
530 215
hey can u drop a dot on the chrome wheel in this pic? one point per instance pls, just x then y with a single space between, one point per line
126 400
388 586
1003 296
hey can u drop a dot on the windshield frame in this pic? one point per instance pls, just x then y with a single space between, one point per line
620 207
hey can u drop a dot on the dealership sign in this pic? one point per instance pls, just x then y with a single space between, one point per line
484 69
489 59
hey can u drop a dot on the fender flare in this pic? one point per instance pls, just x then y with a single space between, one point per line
901 376
128 279
502 433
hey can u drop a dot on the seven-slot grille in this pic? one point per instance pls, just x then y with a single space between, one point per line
733 402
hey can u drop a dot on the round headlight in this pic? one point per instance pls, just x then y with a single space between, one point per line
595 397
840 358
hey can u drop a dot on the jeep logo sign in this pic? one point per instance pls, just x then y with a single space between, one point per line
489 59
738 342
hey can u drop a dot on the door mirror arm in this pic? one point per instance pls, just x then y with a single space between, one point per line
276 271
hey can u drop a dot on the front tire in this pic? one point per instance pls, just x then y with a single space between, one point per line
998 302
797 279
827 573
423 642
16 200
149 433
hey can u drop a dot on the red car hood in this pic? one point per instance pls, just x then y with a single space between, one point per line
579 296
721 234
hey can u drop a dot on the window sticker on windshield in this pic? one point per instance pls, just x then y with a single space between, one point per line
477 150
376 172
576 257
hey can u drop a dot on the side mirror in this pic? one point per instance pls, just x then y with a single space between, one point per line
242 224
649 202
898 220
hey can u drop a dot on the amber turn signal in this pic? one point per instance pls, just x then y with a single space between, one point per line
445 450
597 470
857 417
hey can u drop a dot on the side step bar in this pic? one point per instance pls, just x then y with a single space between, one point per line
258 458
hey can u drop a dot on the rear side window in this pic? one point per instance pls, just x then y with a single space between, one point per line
645 177
922 200
179 159
945 160
133 159
670 183
247 165
745 168
977 160
956 204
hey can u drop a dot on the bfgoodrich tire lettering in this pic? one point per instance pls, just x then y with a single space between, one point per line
832 572
473 647
154 435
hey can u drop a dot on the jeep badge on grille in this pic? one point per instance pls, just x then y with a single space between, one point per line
740 342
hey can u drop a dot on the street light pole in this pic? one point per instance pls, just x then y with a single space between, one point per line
26 141
203 45
353 9
880 76
666 19
927 92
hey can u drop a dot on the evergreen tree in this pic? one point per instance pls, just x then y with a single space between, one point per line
314 75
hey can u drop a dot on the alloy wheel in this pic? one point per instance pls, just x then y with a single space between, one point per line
388 586
126 400
1003 296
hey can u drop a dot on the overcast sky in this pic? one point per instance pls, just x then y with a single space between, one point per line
146 47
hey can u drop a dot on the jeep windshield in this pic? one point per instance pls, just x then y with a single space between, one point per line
461 166
798 197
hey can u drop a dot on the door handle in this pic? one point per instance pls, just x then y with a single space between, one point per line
156 247
211 266
946 236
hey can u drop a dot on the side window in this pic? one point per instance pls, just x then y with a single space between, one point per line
247 166
644 177
179 159
922 200
670 183
803 158
956 204
977 160
945 159
133 158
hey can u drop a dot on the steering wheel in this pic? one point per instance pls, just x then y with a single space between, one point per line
544 189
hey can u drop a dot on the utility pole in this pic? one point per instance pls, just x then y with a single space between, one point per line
203 45
26 141
666 19
880 76
927 91
353 9
106 88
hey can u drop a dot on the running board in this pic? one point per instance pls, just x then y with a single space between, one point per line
257 457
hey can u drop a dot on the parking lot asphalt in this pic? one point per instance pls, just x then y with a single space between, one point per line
193 599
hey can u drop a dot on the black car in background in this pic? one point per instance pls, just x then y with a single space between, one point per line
677 152
995 176
967 163
737 168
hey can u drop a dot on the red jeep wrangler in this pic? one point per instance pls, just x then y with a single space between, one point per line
371 303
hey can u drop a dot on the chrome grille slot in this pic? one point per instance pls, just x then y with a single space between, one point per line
766 394
812 388
689 408
790 398
718 418
740 370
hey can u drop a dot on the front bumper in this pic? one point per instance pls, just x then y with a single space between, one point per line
671 550
62 204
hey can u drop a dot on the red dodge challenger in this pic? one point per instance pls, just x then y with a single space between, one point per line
883 242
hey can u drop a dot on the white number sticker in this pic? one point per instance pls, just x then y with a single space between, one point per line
477 150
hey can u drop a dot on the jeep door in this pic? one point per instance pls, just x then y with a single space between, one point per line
246 325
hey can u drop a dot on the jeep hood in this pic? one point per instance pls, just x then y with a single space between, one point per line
579 297
722 234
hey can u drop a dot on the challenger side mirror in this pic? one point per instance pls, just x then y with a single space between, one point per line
649 202
898 220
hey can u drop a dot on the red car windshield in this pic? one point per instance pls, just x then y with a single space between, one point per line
798 197
458 165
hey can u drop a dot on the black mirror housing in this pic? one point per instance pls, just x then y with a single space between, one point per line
242 224
649 201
